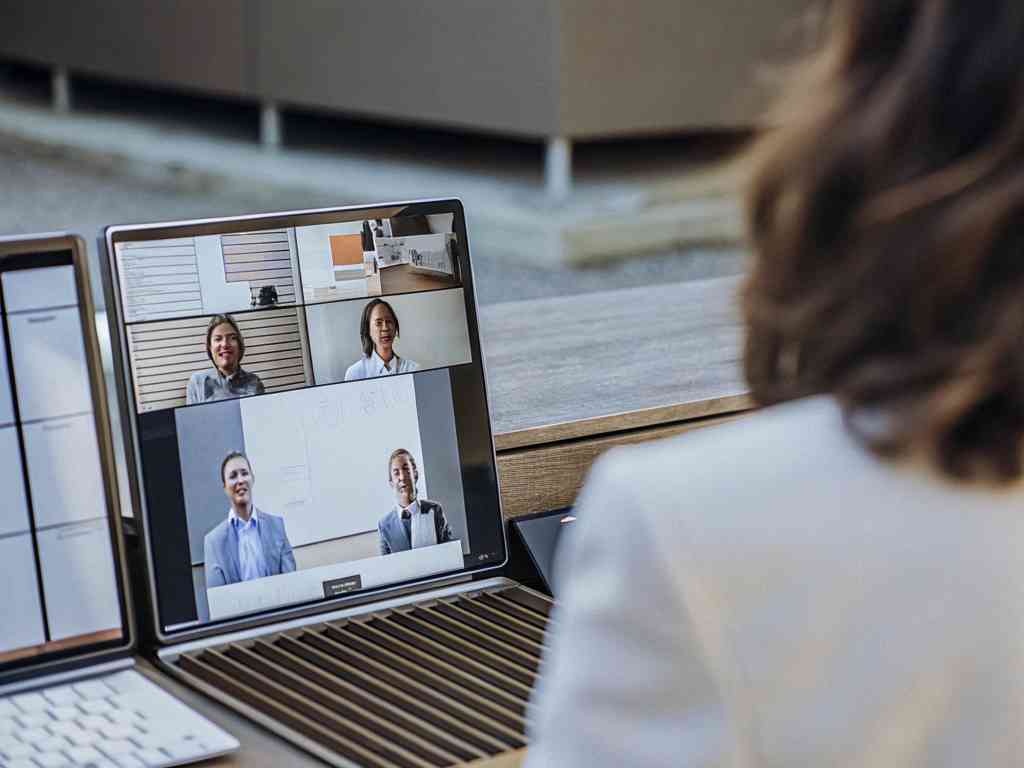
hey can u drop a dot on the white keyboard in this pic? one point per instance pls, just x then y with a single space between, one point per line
121 720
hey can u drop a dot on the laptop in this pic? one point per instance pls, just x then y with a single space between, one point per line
304 401
68 692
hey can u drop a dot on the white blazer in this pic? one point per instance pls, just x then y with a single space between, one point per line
767 593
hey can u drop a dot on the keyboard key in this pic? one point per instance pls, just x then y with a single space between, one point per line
8 725
52 744
22 762
12 751
117 732
151 757
122 716
32 735
92 689
151 740
85 738
65 728
136 701
92 722
116 749
63 713
127 681
7 739
30 702
184 750
7 708
61 696
35 720
95 706
52 760
129 761
218 741
84 755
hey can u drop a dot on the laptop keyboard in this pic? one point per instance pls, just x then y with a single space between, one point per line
436 683
121 720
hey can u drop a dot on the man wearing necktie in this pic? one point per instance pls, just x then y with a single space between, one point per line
412 522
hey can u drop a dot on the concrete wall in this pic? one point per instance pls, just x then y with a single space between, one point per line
533 68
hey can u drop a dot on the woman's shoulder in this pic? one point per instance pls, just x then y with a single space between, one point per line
761 439
725 470
357 370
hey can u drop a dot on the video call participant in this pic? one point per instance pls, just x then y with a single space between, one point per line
412 522
225 347
378 330
250 544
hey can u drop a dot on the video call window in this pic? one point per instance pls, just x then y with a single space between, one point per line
328 473
221 316
55 541
304 377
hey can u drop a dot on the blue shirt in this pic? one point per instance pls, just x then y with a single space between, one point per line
251 562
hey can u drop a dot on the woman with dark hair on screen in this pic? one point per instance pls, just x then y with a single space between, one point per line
837 580
225 347
378 332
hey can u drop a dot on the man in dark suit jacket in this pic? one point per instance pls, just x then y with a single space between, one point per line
412 522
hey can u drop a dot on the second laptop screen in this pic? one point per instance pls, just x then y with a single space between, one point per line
294 400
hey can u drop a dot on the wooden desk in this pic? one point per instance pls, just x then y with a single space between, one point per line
570 377
403 278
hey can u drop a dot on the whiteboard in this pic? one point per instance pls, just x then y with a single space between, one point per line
300 586
320 455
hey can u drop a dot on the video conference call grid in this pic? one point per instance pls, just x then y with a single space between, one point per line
218 272
190 361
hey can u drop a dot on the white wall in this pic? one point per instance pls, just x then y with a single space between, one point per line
314 246
219 296
433 332
320 455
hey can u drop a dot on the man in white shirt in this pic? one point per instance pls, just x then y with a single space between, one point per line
378 331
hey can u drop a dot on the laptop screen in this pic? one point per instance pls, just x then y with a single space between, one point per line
57 537
308 405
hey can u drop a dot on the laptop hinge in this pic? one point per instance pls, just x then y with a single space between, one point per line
68 675
395 599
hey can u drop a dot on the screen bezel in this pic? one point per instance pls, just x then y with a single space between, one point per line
112 235
43 245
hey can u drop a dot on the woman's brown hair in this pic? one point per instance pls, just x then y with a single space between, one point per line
885 212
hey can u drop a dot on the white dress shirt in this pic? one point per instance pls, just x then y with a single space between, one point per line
373 366
768 593
251 562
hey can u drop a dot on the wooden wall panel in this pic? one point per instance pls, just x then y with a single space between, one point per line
165 354
261 259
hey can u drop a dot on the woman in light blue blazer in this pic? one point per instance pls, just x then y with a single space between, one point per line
250 543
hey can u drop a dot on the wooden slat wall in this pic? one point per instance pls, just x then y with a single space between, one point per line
159 279
260 258
165 354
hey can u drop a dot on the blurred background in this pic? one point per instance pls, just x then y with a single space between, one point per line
584 136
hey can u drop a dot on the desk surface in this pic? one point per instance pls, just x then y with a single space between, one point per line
595 363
